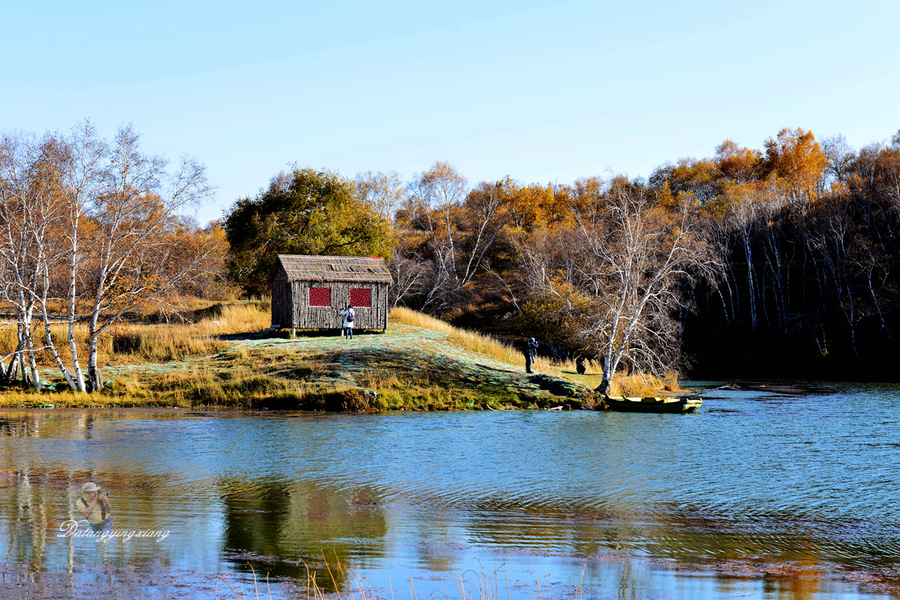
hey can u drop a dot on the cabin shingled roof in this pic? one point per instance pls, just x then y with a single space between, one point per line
299 267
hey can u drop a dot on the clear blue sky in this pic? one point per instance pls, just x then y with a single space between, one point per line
539 91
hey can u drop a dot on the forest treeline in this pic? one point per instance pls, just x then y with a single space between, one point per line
777 261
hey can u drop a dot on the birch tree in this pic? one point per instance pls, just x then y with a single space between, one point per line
461 227
25 207
125 263
381 192
621 274
83 219
81 179
795 156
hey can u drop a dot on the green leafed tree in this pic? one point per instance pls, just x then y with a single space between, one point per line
302 212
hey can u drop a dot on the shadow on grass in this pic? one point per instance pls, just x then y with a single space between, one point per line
489 368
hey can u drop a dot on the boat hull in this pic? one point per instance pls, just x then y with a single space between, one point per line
653 404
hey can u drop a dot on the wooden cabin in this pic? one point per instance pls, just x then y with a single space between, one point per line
308 292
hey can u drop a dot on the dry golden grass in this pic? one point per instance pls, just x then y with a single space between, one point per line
235 318
622 384
406 316
164 343
148 342
470 340
642 385
137 343
378 379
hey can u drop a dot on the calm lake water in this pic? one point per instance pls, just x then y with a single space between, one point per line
761 494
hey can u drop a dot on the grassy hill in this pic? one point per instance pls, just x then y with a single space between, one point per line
226 359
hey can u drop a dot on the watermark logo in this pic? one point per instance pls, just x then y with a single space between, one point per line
70 528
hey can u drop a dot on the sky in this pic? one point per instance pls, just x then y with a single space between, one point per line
542 92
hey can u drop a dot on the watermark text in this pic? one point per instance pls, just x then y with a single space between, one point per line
70 528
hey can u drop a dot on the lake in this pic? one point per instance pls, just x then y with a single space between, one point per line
774 492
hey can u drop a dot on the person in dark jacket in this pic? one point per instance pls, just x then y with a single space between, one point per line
530 350
579 364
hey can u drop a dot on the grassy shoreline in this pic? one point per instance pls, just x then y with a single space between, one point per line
224 360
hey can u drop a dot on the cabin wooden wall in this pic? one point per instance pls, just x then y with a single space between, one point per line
291 309
282 304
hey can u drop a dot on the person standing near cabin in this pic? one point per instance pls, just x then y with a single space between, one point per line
94 506
530 350
349 316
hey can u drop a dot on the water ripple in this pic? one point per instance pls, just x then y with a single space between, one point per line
811 477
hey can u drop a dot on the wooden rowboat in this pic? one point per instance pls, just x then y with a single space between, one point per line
653 404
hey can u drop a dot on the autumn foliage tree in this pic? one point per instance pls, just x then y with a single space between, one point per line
304 212
795 157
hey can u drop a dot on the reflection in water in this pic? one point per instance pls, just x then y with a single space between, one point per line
758 495
294 529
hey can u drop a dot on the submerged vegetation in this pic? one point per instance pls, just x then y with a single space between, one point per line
221 356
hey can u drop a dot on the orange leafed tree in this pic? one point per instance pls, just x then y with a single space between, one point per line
795 157
737 164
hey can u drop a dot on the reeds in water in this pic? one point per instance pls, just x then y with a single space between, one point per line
468 585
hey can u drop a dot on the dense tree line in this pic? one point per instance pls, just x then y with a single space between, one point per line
598 268
808 235
778 260
744 262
